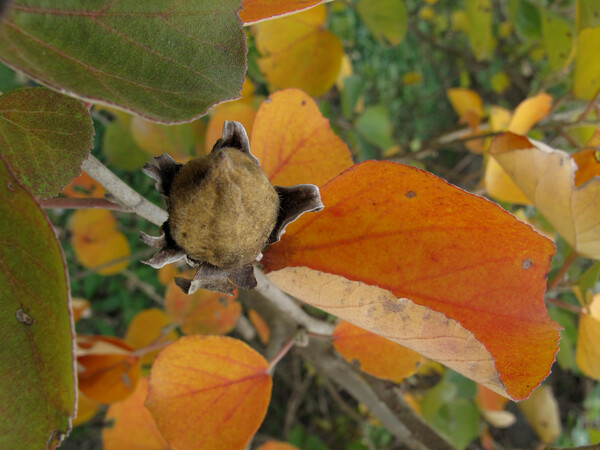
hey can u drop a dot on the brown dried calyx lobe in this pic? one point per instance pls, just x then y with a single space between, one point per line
222 211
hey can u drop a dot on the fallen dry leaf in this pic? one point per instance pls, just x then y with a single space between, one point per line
462 260
131 425
215 385
376 355
546 177
299 52
294 142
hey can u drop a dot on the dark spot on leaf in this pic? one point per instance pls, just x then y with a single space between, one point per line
527 263
268 100
410 194
10 186
23 317
560 162
303 102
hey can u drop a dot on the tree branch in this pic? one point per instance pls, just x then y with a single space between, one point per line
122 193
79 203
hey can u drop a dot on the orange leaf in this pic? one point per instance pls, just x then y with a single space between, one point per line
209 392
256 10
167 273
377 356
132 424
262 329
107 372
529 112
299 52
276 445
406 231
146 328
546 177
84 186
294 142
203 312
587 166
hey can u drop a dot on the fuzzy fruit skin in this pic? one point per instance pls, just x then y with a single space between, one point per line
222 208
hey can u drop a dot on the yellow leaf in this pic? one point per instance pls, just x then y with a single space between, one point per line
499 118
86 409
546 177
541 411
467 104
345 72
240 111
529 112
298 52
586 78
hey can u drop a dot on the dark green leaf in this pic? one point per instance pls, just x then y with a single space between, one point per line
37 379
166 60
44 136
526 18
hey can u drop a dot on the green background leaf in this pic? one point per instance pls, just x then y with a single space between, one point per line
479 25
586 79
37 379
386 19
120 149
166 60
558 34
44 136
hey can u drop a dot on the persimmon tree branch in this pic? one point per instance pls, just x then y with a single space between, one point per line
122 193
79 203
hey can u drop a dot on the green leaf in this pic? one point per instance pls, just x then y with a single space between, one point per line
479 26
165 60
458 420
386 19
526 18
37 379
353 88
589 278
120 149
44 136
586 79
558 34
374 125
587 14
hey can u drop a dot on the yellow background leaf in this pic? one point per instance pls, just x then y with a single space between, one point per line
588 337
541 411
298 52
145 328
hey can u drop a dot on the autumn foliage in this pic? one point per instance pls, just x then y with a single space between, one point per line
434 301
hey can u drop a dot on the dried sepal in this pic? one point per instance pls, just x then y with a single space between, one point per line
293 202
222 212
